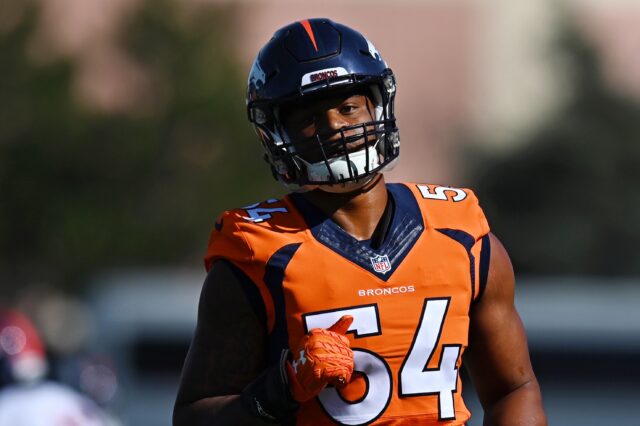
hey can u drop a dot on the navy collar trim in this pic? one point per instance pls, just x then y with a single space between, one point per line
404 231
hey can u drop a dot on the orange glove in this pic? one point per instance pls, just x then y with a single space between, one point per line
322 357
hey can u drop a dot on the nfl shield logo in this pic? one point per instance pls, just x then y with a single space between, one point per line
381 264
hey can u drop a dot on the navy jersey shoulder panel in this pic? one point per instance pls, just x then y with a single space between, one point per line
313 217
273 278
404 197
404 231
485 260
460 236
467 241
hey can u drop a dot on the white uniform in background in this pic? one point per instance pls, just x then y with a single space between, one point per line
48 404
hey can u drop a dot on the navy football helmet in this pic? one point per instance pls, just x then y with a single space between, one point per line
317 57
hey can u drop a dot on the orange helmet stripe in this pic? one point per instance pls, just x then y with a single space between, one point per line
307 26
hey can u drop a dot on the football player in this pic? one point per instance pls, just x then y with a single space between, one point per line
350 301
26 397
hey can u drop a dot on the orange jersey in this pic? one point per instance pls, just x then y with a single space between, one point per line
410 297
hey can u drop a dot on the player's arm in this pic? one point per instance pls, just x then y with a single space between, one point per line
226 354
225 380
498 356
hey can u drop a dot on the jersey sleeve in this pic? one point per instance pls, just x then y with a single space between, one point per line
247 242
227 242
456 212
454 208
481 224
249 236
480 252
478 226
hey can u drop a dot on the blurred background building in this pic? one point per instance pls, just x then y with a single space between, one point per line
123 135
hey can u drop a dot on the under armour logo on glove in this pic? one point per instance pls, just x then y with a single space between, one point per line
323 357
300 360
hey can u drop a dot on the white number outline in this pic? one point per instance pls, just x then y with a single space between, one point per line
324 319
440 193
260 214
425 317
330 397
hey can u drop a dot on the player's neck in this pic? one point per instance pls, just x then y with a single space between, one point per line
358 213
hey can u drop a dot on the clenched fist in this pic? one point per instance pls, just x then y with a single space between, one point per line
322 357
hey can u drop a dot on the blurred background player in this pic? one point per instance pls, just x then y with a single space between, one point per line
350 300
26 397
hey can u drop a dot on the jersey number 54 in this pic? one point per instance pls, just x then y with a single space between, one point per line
414 379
